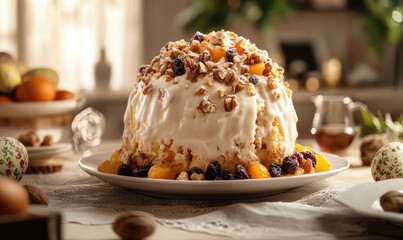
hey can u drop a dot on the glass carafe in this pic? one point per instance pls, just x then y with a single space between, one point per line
333 123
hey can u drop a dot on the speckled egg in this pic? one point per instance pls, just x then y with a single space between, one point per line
13 158
388 162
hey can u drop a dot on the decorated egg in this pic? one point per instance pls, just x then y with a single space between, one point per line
388 162
13 158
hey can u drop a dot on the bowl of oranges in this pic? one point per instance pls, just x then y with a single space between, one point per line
30 100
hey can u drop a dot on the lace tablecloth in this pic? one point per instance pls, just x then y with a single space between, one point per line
304 212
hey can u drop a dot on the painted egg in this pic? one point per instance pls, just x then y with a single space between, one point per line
13 158
388 162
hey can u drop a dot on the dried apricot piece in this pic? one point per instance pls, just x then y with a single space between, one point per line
161 172
239 47
257 68
322 164
110 166
218 53
257 170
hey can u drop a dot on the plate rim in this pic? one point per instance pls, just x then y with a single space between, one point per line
24 109
360 192
83 164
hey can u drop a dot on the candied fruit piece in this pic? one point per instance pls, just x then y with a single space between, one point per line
310 155
254 79
322 164
161 172
275 170
239 47
195 173
257 68
125 170
213 170
110 166
257 170
141 172
218 53
241 173
227 175
231 53
299 147
290 164
179 66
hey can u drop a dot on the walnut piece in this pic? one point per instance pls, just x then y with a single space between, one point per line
134 225
206 106
392 201
230 103
30 139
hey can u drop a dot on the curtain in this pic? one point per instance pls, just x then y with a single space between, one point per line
70 36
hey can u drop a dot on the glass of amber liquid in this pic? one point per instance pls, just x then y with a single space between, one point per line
333 123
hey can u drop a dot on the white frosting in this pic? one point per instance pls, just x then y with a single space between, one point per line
208 135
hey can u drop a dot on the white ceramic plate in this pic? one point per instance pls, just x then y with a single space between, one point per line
47 151
364 199
201 189
36 109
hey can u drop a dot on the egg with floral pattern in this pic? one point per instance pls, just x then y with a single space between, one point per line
13 158
388 162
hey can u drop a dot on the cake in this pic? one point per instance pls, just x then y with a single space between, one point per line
217 97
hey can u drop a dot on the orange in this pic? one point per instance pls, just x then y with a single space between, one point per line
35 89
63 95
5 99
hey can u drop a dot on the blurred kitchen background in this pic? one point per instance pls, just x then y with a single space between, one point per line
337 47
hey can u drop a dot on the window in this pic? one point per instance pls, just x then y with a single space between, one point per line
69 36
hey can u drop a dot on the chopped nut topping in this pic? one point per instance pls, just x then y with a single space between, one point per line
147 89
233 66
254 59
206 106
201 91
220 93
183 176
205 56
251 90
192 69
267 69
230 78
202 68
271 85
280 70
277 95
237 88
230 103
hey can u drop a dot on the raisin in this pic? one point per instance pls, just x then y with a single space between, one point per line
179 66
290 164
227 175
198 36
195 173
275 170
299 157
254 79
231 53
241 173
125 170
141 172
310 155
213 170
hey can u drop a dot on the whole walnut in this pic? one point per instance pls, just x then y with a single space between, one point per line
370 145
30 139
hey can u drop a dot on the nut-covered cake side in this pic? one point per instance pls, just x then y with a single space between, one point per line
217 98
